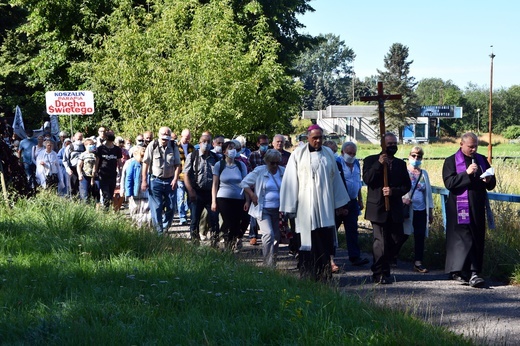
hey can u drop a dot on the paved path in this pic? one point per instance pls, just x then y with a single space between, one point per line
488 316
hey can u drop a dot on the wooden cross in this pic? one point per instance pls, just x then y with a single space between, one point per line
381 98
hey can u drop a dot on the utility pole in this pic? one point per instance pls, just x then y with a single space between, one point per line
490 127
478 121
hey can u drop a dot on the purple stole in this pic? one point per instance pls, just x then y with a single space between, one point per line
463 216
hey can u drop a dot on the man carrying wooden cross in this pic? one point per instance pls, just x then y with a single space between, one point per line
387 180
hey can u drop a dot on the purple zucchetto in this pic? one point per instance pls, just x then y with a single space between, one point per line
314 127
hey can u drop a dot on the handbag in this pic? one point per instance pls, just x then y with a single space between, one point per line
406 207
51 180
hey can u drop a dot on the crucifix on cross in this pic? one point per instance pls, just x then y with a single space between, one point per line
381 98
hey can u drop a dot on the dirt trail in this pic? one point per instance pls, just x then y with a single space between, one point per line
488 316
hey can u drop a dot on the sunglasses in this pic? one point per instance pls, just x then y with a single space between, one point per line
276 163
416 156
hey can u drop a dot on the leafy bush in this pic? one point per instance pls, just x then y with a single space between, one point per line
512 132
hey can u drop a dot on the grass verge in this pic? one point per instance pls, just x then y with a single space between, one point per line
71 275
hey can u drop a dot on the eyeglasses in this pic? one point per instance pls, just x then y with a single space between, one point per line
416 156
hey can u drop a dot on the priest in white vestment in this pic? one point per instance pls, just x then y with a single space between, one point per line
312 191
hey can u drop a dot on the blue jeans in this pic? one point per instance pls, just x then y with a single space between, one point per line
162 201
30 170
65 190
182 203
86 189
107 186
270 226
351 229
253 228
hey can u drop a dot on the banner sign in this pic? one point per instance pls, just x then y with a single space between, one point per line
438 111
69 102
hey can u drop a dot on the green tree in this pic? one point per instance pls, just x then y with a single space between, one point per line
281 19
436 92
52 44
326 72
396 80
11 81
506 107
475 103
43 48
366 87
186 64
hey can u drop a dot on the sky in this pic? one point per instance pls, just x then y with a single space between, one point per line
450 40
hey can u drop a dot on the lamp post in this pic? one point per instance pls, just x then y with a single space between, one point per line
478 121
490 147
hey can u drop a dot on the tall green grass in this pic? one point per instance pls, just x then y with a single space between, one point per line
71 275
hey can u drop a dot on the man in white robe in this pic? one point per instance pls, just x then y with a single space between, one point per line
312 191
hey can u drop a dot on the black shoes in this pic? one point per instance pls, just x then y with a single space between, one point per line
477 281
381 279
359 261
420 269
393 262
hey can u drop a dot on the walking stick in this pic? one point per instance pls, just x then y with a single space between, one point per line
4 187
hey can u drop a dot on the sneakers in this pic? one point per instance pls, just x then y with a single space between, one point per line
238 244
419 268
477 281
252 241
457 276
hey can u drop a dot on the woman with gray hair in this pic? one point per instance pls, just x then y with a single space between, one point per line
48 167
262 185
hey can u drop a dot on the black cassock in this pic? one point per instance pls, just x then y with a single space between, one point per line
465 243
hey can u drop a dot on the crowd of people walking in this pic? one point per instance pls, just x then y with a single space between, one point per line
305 194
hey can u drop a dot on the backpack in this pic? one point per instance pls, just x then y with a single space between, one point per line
156 144
238 163
195 161
75 151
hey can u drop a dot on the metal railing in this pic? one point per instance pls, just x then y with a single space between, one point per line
493 196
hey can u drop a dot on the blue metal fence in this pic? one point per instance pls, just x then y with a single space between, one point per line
493 196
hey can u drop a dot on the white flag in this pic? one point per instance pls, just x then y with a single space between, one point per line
18 126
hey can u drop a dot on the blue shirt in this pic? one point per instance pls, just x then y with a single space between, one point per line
230 180
25 147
